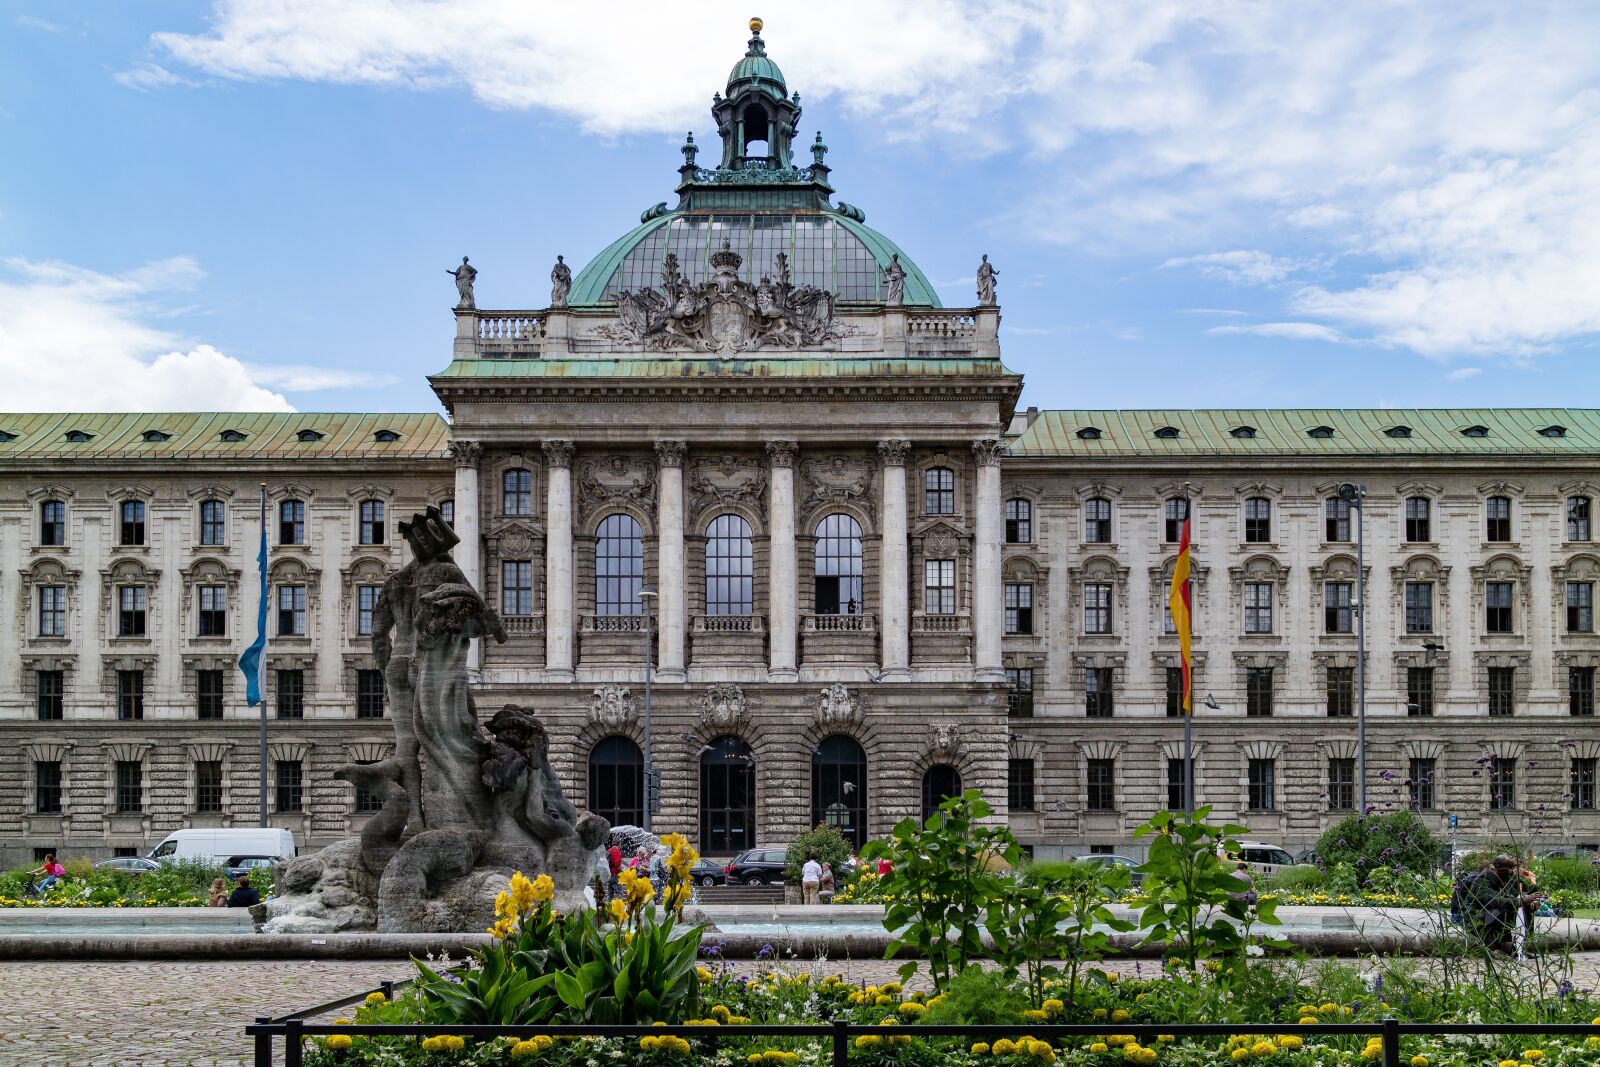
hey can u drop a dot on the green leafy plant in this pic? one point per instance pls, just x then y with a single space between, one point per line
978 996
826 843
1397 839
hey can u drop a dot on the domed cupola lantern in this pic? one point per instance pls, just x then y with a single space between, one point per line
756 116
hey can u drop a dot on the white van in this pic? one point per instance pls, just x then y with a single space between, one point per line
220 845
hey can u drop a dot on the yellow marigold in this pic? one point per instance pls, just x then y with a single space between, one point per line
1004 1047
1308 1020
1419 1061
1328 1008
1034 1015
453 1043
1120 1015
868 1041
980 1048
1291 1041
649 1042
912 1008
891 988
1533 1055
339 1042
376 997
883 1000
1508 1063
1118 1040
1098 1013
1054 1007
1239 1054
1263 1048
1098 1047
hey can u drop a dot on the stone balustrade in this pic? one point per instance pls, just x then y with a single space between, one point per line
728 624
838 624
521 625
612 624
941 624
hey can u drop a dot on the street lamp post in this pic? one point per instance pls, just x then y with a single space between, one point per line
1356 495
647 599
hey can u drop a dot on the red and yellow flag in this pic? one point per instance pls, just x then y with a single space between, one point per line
1179 603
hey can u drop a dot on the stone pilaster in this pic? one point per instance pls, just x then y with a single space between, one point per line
468 554
674 615
894 588
784 623
988 615
558 615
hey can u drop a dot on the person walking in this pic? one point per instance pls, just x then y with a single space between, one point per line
811 880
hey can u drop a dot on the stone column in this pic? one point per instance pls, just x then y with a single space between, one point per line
894 585
987 609
558 561
783 620
468 554
669 664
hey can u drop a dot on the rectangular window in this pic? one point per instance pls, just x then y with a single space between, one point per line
130 695
1174 692
939 586
1019 785
516 491
367 802
1342 783
130 786
1419 691
447 512
1336 600
1258 607
291 611
1019 521
130 611
1258 520
1019 608
371 526
1097 608
939 491
1580 607
1336 519
213 619
52 611
208 693
516 587
292 522
131 531
208 787
47 786
1258 691
1175 784
1419 524
1419 784
1497 519
1261 776
1578 508
213 522
1102 785
1419 607
369 694
1502 784
1580 690
287 774
1174 512
1097 521
1019 701
1341 692
1502 691
50 692
1098 700
289 692
53 523
1582 784
1497 607
366 608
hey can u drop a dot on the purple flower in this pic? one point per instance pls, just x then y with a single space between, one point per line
764 953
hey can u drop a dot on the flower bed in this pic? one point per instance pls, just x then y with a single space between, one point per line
174 885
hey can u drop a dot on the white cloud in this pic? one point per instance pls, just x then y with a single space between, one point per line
1296 331
1240 267
1461 374
1227 312
73 339
297 378
34 23
148 77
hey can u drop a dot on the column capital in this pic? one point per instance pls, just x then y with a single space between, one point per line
781 453
558 453
465 453
671 453
893 451
988 451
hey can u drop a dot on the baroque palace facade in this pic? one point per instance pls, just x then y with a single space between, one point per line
748 434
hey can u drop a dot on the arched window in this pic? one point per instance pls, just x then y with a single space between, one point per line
1019 521
730 571
839 787
516 491
838 566
616 781
939 783
727 797
618 566
939 491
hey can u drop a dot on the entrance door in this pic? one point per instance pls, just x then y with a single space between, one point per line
727 797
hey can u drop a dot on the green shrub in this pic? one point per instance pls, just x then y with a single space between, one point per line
1299 878
1397 840
829 845
1571 873
1049 872
978 997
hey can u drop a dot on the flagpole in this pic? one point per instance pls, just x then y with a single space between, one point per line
1188 669
261 662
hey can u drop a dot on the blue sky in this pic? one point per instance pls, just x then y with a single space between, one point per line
251 205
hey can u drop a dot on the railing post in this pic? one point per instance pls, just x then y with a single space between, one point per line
294 1054
387 989
1391 1043
841 1043
263 1044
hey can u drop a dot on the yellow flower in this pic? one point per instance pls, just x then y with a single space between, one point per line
1034 1015
341 1022
1054 1007
1508 1063
640 891
376 997
339 1041
503 928
1263 1048
1308 1020
1120 1015
912 1009
544 889
1099 1013
1419 1061
1004 1047
1329 1008
1165 1039
522 897
1533 1055
1098 1047
868 1041
1239 1054
981 1048
1290 1041
618 911
883 1000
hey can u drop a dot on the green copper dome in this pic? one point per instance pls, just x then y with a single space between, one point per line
754 66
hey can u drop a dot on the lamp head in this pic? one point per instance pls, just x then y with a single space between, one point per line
1350 492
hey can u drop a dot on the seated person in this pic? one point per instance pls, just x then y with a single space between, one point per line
243 895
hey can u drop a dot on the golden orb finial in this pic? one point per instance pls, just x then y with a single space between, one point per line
755 25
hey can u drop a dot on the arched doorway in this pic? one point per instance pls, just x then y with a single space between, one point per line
839 787
616 781
939 783
727 797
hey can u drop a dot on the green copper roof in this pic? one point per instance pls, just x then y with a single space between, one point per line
1313 432
760 69
770 367
199 435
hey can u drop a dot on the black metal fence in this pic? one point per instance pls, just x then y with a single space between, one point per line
294 1028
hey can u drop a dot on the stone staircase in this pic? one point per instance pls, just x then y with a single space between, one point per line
740 894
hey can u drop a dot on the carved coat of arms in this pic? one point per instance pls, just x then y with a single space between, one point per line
723 705
836 706
947 740
611 705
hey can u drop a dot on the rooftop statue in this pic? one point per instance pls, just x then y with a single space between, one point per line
464 275
987 276
894 281
560 283
461 809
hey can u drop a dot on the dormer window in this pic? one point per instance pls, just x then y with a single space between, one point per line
78 437
7 435
1089 433
385 436
306 437
1168 433
1475 431
231 436
153 436
1245 432
1553 431
1398 431
1321 433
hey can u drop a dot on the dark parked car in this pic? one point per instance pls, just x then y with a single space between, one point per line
128 865
707 873
1114 861
757 866
238 865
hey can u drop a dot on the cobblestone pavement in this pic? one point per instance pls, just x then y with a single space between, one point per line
164 1014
